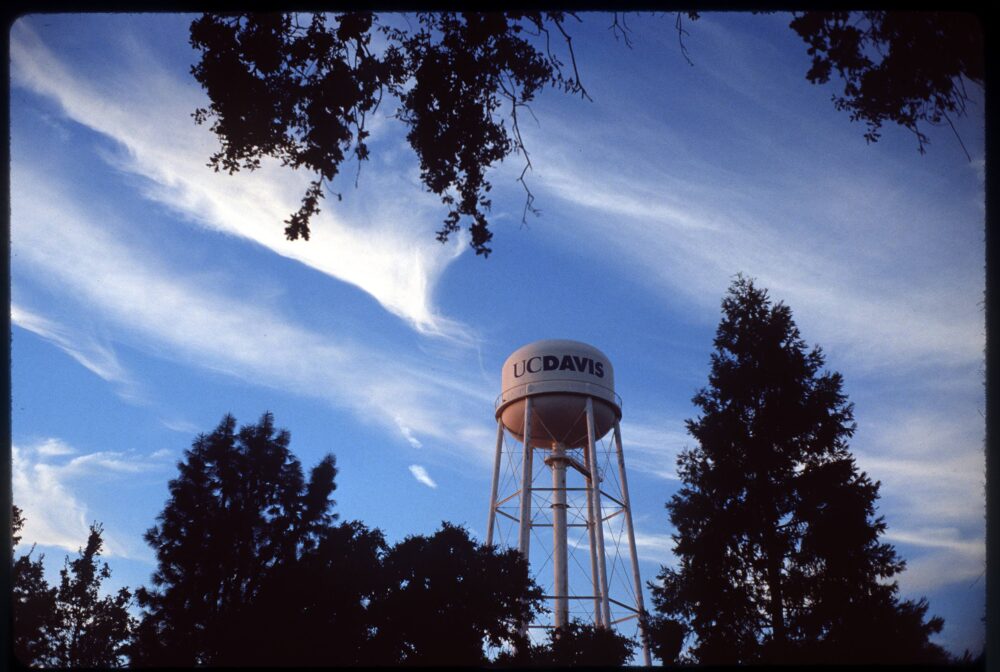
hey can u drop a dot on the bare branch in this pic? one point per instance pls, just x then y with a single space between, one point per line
620 28
680 38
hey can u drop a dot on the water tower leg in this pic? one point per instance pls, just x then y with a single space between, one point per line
496 484
631 545
595 481
557 460
592 538
524 536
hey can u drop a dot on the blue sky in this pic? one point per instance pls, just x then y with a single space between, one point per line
150 296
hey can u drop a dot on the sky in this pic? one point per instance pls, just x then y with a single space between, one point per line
151 296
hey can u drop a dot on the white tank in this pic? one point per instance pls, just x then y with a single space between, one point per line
558 375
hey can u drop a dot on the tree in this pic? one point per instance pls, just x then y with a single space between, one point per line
252 570
582 644
924 60
447 597
240 513
71 625
776 534
300 91
93 631
577 644
33 604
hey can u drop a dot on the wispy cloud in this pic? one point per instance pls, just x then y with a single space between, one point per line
937 557
931 466
176 314
54 448
97 357
658 548
690 240
383 246
408 434
653 449
422 476
46 490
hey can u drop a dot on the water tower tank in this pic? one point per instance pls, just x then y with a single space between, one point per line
558 375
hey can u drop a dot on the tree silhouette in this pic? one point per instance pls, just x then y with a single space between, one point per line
240 511
778 549
33 613
93 631
577 644
70 625
446 597
301 91
919 75
252 570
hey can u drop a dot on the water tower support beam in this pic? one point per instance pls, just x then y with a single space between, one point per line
496 484
598 516
631 545
524 536
591 533
557 461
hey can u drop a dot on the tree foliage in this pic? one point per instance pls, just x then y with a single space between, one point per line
446 597
254 570
908 68
94 631
301 88
777 539
72 624
33 613
575 645
239 511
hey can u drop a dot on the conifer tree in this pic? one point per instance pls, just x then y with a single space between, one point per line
776 533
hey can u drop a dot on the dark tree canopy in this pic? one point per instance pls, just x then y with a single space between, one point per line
908 68
70 625
300 88
776 534
575 645
253 570
239 511
446 597
582 644
33 601
94 631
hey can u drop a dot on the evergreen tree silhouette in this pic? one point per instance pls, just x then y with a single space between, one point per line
776 534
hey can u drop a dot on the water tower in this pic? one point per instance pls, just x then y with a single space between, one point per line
554 469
